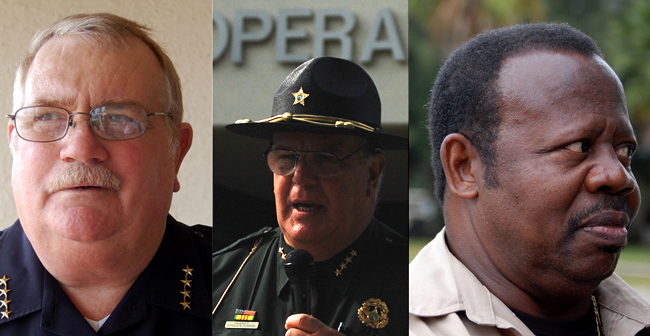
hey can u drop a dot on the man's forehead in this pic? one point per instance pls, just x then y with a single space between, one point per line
65 61
558 81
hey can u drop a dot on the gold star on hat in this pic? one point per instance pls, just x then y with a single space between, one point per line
299 97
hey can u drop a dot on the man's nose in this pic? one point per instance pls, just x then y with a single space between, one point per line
610 175
80 142
303 174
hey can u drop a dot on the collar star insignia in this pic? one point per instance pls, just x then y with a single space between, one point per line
186 305
186 293
299 97
186 284
5 302
282 254
344 264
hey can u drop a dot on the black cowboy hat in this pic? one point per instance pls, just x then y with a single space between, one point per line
326 95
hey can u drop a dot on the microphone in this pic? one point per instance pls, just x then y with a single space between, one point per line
299 266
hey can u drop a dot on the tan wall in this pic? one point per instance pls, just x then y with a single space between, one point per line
183 28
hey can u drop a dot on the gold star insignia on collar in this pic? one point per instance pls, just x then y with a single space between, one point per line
186 293
344 264
299 97
282 254
186 284
186 305
5 302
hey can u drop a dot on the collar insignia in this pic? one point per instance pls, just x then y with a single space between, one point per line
282 254
4 303
345 262
299 97
374 313
185 292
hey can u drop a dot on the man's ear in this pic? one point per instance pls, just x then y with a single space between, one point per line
375 169
462 165
10 131
185 136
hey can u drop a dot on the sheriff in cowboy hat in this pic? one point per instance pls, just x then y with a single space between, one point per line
325 155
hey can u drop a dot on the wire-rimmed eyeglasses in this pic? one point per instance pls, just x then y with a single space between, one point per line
109 122
324 164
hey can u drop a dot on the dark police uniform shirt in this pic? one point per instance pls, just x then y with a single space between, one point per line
373 270
152 306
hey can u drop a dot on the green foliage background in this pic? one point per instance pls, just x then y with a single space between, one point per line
620 27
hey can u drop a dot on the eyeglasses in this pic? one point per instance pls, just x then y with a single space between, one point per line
110 122
324 164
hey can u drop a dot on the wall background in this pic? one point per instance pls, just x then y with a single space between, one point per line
182 28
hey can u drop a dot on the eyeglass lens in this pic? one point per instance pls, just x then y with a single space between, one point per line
284 162
111 122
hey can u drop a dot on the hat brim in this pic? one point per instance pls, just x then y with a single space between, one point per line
266 130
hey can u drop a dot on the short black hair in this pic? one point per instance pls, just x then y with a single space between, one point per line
465 99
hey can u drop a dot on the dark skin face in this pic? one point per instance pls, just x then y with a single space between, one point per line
552 230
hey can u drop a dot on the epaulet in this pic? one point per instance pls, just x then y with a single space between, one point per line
202 234
390 236
251 238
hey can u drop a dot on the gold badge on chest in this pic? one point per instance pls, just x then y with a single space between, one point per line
374 313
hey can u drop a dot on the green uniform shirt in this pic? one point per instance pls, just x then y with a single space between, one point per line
373 270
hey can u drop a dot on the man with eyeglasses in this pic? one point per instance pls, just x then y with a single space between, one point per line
97 139
325 155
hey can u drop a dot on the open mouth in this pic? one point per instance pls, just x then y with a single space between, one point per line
304 207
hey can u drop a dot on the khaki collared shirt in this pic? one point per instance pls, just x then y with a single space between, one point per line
445 298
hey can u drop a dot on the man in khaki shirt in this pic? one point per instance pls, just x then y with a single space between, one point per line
532 148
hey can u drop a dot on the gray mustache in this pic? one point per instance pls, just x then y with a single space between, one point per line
80 175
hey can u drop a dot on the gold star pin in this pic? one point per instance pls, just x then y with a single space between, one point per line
348 259
186 305
4 280
5 314
4 303
188 270
338 272
282 254
185 293
353 253
186 282
4 292
299 97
